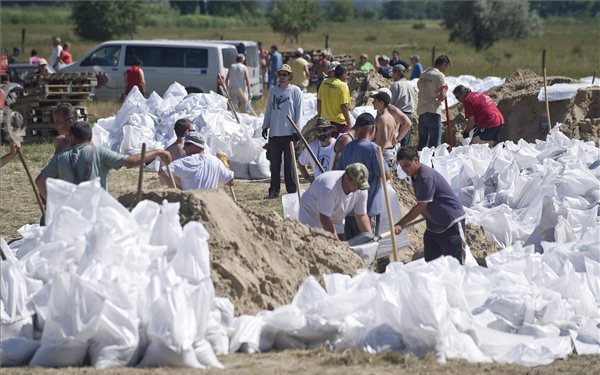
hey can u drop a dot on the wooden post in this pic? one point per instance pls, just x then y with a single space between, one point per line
226 94
293 154
310 151
388 206
141 175
432 55
170 173
448 124
543 60
326 41
547 104
594 77
23 35
36 192
248 102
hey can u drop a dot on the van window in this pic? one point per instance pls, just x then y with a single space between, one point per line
229 55
105 56
252 56
168 57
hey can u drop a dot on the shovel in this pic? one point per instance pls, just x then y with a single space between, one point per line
365 237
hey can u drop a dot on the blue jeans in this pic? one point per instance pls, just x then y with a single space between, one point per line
430 130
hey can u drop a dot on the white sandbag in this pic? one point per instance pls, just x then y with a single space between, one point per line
17 351
192 259
246 336
159 354
100 136
402 240
259 170
561 91
291 206
240 170
205 354
167 230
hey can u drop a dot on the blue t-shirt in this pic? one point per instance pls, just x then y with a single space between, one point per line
416 71
364 151
276 61
443 207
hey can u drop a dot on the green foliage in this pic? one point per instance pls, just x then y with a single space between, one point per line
185 7
232 8
339 11
418 26
566 8
396 10
482 23
33 15
104 20
370 38
291 18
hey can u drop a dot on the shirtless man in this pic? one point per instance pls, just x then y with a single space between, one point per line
386 129
65 115
182 127
403 122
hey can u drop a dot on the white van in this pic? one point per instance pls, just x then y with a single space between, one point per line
250 49
193 64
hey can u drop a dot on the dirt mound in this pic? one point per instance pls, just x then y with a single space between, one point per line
479 244
523 113
361 84
257 261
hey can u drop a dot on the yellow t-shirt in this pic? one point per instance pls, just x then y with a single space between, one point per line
430 84
300 79
333 93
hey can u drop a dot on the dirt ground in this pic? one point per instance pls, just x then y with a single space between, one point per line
321 361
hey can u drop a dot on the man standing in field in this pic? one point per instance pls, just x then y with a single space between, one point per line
276 60
197 170
182 127
404 97
285 100
56 50
438 203
386 129
64 116
84 161
481 114
321 68
332 196
363 64
432 93
134 76
300 69
333 101
238 84
322 148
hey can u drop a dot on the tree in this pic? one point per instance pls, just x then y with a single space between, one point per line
291 18
185 7
104 20
339 11
482 23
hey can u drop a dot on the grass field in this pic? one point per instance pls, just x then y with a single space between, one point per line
573 45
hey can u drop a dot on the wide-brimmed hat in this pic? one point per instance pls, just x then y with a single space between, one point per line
399 68
285 68
359 174
43 62
196 139
323 124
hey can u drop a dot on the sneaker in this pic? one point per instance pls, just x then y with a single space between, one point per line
272 195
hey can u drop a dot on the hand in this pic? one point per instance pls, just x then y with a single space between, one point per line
265 133
14 147
295 137
397 228
165 157
465 134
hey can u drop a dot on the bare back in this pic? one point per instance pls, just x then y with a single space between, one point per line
386 130
176 150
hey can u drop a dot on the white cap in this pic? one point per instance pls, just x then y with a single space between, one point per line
299 51
384 90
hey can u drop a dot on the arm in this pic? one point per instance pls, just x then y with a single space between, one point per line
247 79
340 144
346 112
364 223
306 71
142 78
14 147
319 107
135 160
327 224
377 66
166 181
226 81
417 210
470 124
305 173
40 182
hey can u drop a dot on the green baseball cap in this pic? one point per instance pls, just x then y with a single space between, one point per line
359 174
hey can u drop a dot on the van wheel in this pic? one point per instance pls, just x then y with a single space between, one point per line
193 90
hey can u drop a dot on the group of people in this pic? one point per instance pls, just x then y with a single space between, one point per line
59 56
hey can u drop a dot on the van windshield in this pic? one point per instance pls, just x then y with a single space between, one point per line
229 55
252 56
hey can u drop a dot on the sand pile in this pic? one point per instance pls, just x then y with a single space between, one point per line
479 244
257 261
361 84
517 100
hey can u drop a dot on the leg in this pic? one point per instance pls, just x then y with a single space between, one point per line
435 130
432 247
350 227
288 167
454 244
275 150
423 131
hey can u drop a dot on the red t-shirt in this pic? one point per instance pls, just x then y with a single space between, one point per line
483 108
66 57
134 78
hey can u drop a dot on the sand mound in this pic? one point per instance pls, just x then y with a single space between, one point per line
257 261
479 244
517 100
361 84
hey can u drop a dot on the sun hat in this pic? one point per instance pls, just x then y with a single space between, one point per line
359 174
285 68
399 68
196 139
299 51
333 65
323 124
43 62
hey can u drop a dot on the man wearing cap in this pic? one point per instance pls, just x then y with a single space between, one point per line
363 150
276 60
322 148
437 202
404 97
382 66
335 194
56 50
321 68
285 100
432 93
333 101
481 114
386 129
42 68
84 161
197 170
238 83
300 69
182 127
363 64
417 68
15 55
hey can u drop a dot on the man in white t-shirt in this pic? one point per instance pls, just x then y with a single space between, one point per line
56 50
322 148
238 84
335 194
197 170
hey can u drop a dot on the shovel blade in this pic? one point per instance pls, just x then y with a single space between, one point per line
361 239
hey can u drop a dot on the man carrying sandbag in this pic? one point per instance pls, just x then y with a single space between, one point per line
335 194
438 203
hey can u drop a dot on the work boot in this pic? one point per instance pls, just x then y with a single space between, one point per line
381 264
272 195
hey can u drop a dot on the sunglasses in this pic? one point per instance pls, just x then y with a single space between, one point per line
283 74
323 130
